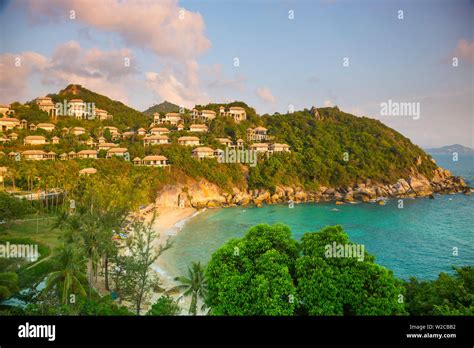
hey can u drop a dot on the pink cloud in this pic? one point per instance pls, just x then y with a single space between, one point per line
465 50
265 94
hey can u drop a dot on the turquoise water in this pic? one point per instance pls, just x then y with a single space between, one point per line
417 240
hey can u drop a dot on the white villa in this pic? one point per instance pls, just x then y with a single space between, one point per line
106 146
49 127
83 154
198 128
159 130
203 152
34 140
203 115
151 161
46 104
257 134
117 151
188 141
8 123
172 118
279 147
260 147
156 140
236 112
78 130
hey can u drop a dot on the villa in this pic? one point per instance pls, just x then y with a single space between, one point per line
188 141
128 134
172 118
106 146
46 104
3 139
151 161
240 144
102 115
225 141
78 130
114 132
7 123
48 127
13 136
155 140
279 147
55 140
260 147
203 115
180 127
34 140
77 108
141 131
257 134
38 155
117 151
236 112
159 130
83 154
198 128
91 142
32 127
203 152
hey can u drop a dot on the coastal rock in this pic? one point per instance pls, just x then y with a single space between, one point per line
420 185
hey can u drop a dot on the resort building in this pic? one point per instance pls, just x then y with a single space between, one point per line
114 132
34 140
23 124
151 161
225 141
106 146
128 134
156 118
78 130
91 142
172 118
38 155
3 139
180 127
48 127
102 140
141 131
188 141
203 115
46 104
236 112
13 136
32 127
203 152
77 108
7 123
102 115
5 110
63 156
198 128
279 147
259 147
156 140
257 134
159 130
117 151
72 155
55 140
83 154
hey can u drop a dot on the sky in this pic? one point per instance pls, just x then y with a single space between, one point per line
274 55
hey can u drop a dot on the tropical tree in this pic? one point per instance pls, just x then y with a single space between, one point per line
165 305
194 285
68 276
8 284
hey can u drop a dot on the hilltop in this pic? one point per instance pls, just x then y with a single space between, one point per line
163 107
450 149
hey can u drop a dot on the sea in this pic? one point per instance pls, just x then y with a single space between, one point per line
420 238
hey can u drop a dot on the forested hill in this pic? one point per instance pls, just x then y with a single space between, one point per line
339 149
123 115
328 148
163 108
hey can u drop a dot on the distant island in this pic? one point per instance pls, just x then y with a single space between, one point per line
449 149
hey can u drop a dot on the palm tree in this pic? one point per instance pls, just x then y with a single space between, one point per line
195 285
68 276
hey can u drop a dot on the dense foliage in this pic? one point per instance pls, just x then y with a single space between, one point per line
165 305
447 295
267 272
